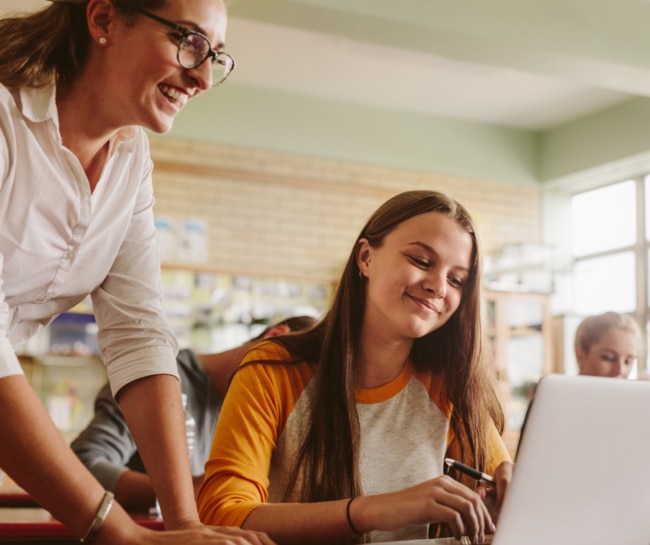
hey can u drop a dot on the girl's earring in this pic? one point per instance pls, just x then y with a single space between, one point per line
102 40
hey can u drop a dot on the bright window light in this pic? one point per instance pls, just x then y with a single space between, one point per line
604 219
646 183
605 283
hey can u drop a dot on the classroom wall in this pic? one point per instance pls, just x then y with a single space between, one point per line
267 119
603 147
591 146
296 216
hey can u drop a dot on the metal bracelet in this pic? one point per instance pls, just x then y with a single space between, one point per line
100 517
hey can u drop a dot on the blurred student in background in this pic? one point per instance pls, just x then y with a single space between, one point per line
106 446
607 345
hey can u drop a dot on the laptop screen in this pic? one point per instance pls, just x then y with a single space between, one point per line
582 475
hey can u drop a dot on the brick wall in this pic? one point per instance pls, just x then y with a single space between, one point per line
274 214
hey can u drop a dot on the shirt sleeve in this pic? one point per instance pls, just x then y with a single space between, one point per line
252 417
9 364
134 337
105 446
497 451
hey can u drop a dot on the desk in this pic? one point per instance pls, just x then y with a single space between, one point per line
17 498
12 495
35 526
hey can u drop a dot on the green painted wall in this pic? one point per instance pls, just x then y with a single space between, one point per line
250 117
611 135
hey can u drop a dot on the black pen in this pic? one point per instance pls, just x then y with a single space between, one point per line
467 470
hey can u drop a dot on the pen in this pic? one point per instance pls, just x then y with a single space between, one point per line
474 473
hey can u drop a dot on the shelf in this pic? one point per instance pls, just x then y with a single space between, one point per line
205 268
518 325
523 331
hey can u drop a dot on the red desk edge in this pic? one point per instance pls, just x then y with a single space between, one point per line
53 529
17 499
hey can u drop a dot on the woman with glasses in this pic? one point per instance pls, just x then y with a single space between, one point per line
341 432
80 80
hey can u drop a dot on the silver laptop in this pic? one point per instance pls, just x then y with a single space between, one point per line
582 474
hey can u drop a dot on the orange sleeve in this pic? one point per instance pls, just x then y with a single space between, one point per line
496 453
257 405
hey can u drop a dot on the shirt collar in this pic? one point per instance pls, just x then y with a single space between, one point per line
38 103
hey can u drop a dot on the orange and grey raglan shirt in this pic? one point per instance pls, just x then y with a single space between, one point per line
405 436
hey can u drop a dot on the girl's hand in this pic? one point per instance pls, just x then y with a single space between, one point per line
492 498
442 499
503 476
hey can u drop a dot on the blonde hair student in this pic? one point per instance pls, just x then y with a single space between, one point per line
340 432
607 345
80 80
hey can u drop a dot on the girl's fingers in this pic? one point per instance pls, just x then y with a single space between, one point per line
466 514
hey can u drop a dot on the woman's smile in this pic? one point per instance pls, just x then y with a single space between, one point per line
174 95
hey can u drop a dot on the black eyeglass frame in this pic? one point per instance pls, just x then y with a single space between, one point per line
185 32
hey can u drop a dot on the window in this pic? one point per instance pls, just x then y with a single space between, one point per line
610 250
604 219
605 283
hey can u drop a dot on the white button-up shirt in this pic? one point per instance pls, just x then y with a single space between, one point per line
59 242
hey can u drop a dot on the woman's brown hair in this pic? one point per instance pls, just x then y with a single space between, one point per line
329 455
51 45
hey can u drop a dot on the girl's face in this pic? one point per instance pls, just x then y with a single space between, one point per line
149 87
613 355
415 279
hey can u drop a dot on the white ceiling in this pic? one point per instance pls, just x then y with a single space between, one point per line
532 64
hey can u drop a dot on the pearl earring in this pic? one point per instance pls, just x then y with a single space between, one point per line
102 40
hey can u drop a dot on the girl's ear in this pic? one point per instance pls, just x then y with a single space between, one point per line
101 16
363 256
278 329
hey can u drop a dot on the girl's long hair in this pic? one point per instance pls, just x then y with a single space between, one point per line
51 45
328 459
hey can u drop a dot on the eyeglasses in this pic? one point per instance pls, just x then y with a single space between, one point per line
194 49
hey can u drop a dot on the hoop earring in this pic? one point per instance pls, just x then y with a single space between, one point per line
361 274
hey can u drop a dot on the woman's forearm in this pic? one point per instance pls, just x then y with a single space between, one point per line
153 411
36 456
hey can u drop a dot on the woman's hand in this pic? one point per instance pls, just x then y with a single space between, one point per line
197 535
439 500
219 535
